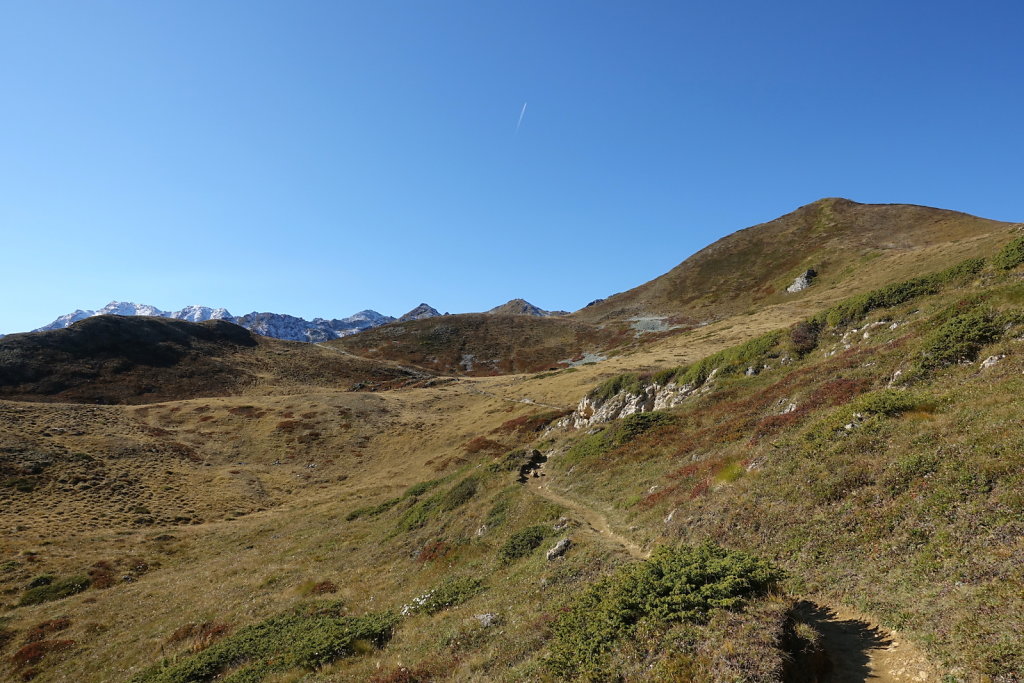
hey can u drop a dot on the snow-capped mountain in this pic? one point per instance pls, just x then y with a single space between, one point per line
278 325
198 314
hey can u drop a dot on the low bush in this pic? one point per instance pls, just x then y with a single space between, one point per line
887 402
307 637
33 653
729 361
417 516
55 590
42 630
677 584
960 338
522 543
458 495
629 382
1010 256
372 510
450 593
614 435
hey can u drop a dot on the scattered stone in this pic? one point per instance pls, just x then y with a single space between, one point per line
559 549
788 409
992 360
487 619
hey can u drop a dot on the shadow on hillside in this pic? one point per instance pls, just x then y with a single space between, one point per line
847 645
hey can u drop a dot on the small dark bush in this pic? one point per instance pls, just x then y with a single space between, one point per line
522 543
42 630
1010 256
372 510
33 653
450 593
675 585
960 339
307 637
56 590
459 495
629 382
804 336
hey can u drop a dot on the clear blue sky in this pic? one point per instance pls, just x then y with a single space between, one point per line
318 158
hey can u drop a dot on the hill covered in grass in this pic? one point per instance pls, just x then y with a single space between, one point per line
118 359
806 493
481 344
851 247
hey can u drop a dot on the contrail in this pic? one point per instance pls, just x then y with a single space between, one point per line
522 113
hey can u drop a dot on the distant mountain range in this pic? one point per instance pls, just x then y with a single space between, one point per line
282 325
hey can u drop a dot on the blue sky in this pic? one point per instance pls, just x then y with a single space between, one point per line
318 158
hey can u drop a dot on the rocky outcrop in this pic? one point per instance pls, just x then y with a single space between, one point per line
523 307
559 549
593 410
419 313
803 281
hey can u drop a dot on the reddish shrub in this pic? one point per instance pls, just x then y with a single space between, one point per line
41 630
33 653
481 444
102 575
530 423
433 551
324 587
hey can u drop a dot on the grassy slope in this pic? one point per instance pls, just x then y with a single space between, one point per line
244 556
484 344
913 513
853 247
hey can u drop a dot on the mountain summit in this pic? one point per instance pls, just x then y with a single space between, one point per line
522 307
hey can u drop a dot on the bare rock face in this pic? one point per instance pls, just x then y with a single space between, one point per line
559 549
594 411
802 281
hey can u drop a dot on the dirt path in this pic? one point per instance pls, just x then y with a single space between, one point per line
859 649
595 520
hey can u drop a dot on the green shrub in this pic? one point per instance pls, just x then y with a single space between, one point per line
498 513
727 361
308 637
614 435
372 510
1010 256
417 516
677 584
855 308
458 495
522 543
54 590
886 402
452 591
960 338
422 487
632 426
629 382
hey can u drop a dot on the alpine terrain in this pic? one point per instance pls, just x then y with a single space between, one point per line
797 456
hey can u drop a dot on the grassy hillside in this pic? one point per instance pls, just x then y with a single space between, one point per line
481 344
838 489
115 359
852 247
